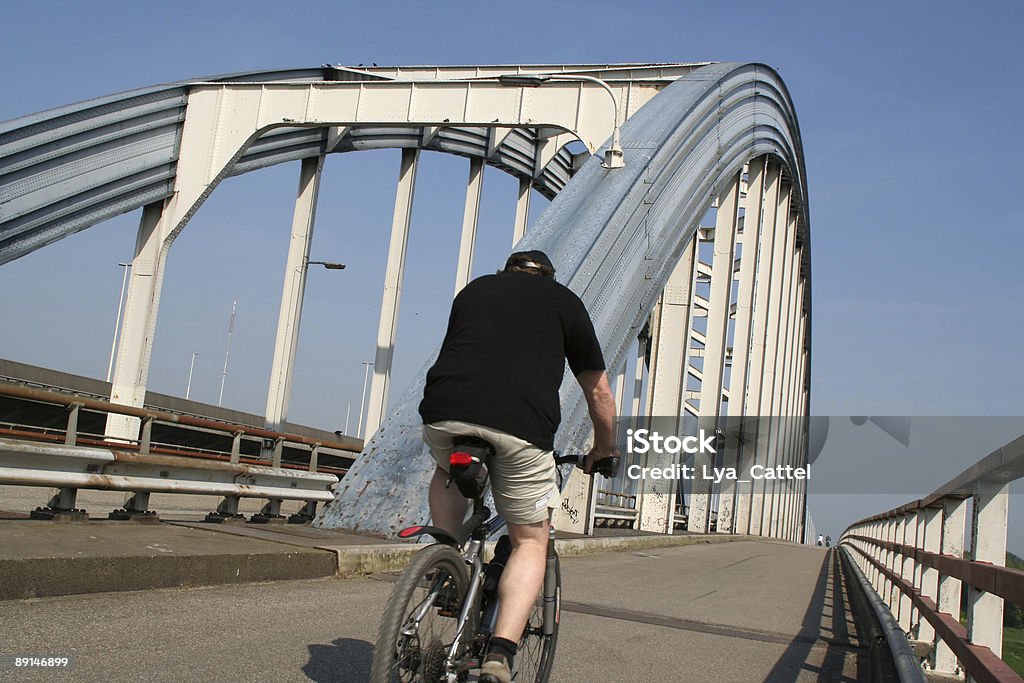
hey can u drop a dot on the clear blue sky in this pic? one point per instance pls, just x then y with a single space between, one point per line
910 119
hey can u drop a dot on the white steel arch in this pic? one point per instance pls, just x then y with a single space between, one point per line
719 134
617 235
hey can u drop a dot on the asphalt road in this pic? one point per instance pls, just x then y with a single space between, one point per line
745 611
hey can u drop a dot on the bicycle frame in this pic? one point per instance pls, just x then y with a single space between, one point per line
478 532
472 632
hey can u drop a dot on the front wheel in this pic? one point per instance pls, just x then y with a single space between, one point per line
420 619
536 652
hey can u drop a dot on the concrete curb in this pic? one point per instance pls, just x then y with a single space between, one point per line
359 560
36 577
369 559
586 546
51 576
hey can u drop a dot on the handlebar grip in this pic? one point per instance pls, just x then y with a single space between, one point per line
607 467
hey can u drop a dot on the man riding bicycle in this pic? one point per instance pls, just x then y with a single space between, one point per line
497 378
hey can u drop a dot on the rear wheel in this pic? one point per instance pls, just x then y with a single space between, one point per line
536 652
420 620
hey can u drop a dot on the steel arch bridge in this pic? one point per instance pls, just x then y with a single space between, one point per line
693 255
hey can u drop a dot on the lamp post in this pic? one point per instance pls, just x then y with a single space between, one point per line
613 157
227 351
191 367
332 265
362 400
117 323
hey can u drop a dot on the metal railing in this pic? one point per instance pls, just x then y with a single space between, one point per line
615 510
915 559
70 459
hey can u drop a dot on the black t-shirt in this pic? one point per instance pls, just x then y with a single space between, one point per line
504 355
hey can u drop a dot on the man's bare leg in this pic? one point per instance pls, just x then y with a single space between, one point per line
522 578
447 505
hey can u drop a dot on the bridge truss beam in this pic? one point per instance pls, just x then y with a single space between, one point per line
223 120
618 237
721 135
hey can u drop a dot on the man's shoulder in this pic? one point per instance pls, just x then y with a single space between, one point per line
544 289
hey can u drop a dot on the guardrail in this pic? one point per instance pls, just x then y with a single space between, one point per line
94 461
614 510
915 559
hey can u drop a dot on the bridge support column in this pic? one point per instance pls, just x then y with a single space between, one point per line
988 544
136 508
791 423
877 528
803 421
522 210
136 344
929 524
954 519
61 506
772 286
791 447
717 339
906 570
885 534
392 291
293 292
800 442
892 532
774 488
470 219
762 237
730 507
670 341
208 149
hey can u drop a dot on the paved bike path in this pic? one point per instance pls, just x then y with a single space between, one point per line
731 613
44 558
748 611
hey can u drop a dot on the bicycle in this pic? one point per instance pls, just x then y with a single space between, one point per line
449 580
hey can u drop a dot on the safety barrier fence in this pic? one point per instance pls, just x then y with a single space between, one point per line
69 459
916 560
615 509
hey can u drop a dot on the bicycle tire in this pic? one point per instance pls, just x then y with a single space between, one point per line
535 654
399 658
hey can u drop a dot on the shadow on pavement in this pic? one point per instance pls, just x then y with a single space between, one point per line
829 624
345 660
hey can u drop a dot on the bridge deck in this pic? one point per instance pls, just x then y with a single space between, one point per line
745 611
737 611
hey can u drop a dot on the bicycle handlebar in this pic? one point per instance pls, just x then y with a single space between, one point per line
607 467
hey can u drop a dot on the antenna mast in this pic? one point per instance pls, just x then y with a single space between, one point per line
227 351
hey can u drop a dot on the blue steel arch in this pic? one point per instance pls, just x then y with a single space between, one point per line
68 168
616 236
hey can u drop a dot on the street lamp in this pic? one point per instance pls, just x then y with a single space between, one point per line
329 265
613 157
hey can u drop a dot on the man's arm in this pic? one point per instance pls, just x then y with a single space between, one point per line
601 403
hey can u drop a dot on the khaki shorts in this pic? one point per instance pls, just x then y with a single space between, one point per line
523 479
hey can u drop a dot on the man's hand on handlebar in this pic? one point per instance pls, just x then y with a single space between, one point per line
604 461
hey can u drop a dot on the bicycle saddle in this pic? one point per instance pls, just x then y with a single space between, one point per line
467 465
